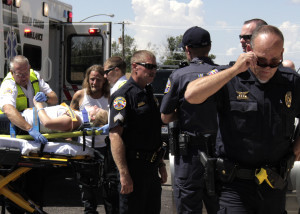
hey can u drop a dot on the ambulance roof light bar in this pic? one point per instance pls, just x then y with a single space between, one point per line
7 2
68 15
17 3
45 9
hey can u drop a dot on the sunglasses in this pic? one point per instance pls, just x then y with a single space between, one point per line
268 65
147 65
108 70
245 37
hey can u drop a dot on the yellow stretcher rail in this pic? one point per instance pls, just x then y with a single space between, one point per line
16 198
58 134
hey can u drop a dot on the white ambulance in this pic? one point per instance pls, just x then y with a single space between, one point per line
42 30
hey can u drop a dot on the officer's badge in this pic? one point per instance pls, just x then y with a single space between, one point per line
7 91
118 117
119 103
168 86
242 95
141 104
288 99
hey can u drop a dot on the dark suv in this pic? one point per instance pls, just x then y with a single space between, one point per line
159 85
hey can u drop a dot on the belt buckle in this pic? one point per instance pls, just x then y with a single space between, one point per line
153 158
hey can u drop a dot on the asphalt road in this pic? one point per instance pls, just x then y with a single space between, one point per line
62 195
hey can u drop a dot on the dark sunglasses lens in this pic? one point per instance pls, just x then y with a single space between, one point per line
245 37
108 70
268 65
150 66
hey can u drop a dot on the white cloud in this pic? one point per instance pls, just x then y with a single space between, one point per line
161 18
291 33
296 1
231 51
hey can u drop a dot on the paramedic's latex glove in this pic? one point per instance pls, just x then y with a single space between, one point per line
105 129
37 136
40 97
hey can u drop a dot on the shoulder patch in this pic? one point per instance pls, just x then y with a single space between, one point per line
168 86
7 91
212 72
119 103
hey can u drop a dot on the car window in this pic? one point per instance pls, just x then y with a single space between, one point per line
160 81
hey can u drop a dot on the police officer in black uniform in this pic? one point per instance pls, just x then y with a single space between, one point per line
197 125
257 106
135 134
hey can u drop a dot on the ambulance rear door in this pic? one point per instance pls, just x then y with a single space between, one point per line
85 44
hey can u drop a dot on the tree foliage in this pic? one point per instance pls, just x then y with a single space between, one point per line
174 54
129 49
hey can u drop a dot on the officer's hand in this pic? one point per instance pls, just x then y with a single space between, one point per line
37 136
163 174
245 61
126 184
105 129
41 97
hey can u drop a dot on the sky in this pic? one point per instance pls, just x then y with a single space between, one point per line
153 21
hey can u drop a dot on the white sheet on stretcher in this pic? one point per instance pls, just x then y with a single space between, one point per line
58 148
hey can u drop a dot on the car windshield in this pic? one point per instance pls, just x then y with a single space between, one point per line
160 81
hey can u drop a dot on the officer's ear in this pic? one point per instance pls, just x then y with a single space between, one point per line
248 48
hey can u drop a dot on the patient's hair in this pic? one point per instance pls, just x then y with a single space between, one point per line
101 119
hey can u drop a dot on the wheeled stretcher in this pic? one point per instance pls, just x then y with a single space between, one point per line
18 156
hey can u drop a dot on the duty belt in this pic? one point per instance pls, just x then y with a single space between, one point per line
264 174
152 157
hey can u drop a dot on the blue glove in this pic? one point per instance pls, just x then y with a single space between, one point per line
37 136
105 129
40 97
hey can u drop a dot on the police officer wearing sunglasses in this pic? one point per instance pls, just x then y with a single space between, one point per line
135 135
197 125
258 101
247 30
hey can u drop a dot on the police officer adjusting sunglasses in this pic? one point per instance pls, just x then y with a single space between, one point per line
147 65
273 65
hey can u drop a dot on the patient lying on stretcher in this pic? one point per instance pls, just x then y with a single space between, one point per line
53 119
57 118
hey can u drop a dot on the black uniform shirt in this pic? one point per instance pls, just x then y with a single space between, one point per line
257 120
193 119
136 110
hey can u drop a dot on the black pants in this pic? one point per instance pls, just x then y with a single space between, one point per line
246 197
90 191
189 186
146 195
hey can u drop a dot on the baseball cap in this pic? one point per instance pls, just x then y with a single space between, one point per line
195 37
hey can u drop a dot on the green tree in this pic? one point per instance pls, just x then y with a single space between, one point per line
129 49
174 55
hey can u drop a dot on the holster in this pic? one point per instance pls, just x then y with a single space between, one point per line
226 170
209 174
286 165
173 138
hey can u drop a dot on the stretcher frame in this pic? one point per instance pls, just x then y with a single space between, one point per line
26 163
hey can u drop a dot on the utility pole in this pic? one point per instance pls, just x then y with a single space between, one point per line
123 38
123 42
